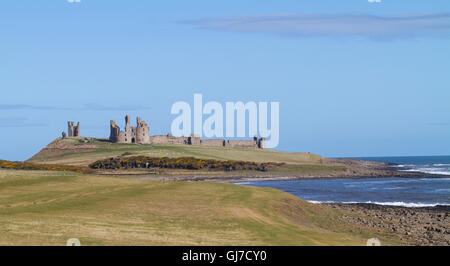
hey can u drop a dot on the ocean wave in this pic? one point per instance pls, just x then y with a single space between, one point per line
442 190
320 202
441 164
389 203
243 183
404 165
384 181
434 171
435 179
408 204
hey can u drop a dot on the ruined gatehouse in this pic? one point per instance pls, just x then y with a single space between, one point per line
139 134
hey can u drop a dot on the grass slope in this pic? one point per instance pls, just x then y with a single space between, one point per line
74 152
49 207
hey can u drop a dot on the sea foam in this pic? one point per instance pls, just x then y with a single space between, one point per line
389 203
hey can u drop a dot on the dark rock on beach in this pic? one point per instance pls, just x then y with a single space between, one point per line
425 226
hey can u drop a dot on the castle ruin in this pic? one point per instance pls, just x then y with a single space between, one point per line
141 135
72 130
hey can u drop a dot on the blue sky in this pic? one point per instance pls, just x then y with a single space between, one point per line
353 78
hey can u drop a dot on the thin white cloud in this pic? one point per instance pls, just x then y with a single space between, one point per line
18 122
338 25
26 107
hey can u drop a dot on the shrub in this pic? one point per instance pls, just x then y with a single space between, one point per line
180 163
48 167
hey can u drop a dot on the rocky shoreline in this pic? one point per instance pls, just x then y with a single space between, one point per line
354 169
234 178
424 226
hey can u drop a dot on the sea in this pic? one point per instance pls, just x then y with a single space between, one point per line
391 191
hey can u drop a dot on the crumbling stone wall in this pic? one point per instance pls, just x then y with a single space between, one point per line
114 131
255 143
72 130
76 130
194 139
168 139
212 142
242 143
262 143
127 123
142 132
139 134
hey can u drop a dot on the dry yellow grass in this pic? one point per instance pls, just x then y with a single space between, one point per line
47 208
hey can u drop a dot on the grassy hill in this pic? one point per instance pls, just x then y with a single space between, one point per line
49 207
82 151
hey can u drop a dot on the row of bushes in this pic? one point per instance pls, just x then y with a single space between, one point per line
47 167
180 163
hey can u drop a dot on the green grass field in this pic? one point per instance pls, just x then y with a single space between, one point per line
49 207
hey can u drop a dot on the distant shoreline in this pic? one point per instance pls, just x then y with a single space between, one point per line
268 177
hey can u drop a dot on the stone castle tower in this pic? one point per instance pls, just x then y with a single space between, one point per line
141 131
139 134
72 130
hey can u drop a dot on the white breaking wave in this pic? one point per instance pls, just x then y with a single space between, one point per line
404 165
320 202
436 171
392 203
243 183
429 168
443 189
435 179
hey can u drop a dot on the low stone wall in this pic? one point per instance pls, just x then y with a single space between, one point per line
169 139
212 142
165 139
194 140
242 143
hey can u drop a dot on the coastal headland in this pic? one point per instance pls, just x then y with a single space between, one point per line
57 194
83 151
